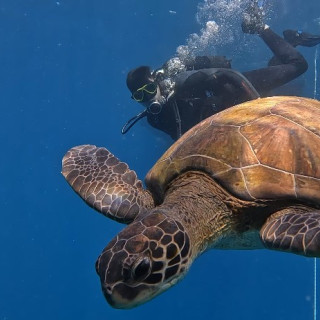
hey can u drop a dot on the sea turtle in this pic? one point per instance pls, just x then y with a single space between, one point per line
245 178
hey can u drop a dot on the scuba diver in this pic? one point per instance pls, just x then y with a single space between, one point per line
182 93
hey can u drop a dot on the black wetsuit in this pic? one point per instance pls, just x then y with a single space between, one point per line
198 94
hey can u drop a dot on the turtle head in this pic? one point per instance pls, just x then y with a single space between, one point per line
143 260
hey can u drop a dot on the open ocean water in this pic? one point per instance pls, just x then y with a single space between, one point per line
62 83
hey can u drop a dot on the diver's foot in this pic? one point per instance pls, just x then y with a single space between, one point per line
252 21
299 38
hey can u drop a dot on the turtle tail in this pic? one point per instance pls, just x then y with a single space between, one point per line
105 183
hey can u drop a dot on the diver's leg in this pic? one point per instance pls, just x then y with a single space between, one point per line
292 64
284 51
296 38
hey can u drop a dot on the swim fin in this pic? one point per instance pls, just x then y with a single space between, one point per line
299 38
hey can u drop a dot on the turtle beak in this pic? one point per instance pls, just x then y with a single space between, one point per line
107 292
122 296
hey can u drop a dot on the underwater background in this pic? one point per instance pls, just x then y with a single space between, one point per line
62 84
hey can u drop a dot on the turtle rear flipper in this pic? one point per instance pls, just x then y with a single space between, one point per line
105 183
295 230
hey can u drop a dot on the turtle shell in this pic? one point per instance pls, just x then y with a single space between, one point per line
267 148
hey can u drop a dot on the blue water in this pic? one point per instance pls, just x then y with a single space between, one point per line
62 83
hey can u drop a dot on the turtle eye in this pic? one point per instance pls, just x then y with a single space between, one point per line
141 269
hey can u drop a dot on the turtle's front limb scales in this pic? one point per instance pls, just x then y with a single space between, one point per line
105 183
295 229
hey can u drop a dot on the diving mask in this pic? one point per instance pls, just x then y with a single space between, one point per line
145 92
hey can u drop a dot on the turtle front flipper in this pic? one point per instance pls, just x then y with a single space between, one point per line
295 230
105 183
